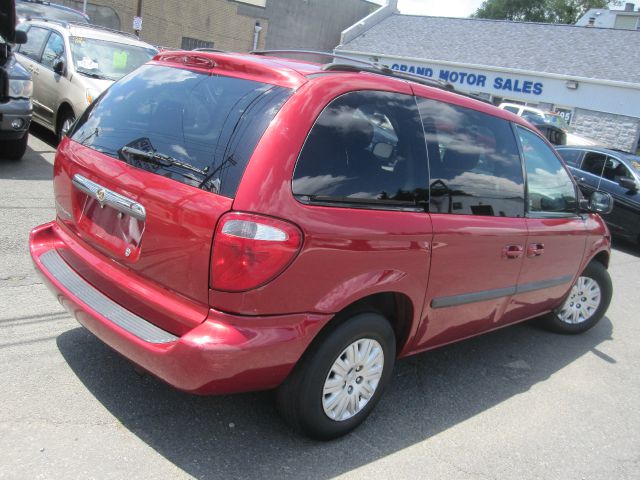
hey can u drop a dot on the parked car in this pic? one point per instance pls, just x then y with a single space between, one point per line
228 223
15 89
72 64
549 123
615 172
32 9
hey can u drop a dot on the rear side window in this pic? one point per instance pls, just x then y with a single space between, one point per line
594 162
195 128
366 148
35 41
571 157
475 167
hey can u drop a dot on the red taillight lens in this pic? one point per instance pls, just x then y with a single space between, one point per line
250 250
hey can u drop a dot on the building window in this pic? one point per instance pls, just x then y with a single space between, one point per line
192 43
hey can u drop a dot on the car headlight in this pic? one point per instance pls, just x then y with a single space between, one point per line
91 95
20 88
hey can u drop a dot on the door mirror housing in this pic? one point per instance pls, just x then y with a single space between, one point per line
58 66
628 183
20 37
598 202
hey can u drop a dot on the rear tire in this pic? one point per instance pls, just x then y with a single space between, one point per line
14 149
586 304
339 380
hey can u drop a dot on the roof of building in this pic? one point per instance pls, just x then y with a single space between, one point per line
597 53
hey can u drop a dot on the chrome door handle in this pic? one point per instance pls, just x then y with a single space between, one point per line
512 251
535 249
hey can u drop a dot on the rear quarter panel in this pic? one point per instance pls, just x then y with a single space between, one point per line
347 253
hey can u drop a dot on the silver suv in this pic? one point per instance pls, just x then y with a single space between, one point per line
72 64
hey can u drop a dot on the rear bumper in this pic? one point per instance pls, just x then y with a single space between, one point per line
224 354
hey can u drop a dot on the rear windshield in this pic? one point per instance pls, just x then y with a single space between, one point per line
193 127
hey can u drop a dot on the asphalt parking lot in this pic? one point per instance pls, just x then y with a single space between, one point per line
519 403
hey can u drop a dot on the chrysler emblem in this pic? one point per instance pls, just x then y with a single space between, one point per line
100 194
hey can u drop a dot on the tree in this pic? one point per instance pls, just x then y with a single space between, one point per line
546 11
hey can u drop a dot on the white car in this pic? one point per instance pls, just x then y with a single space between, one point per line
72 64
537 116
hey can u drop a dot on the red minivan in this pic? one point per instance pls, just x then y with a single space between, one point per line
235 222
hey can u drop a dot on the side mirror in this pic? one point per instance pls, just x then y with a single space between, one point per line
628 183
383 150
20 37
598 202
58 66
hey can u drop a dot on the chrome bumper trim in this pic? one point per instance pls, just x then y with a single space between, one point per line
102 304
110 198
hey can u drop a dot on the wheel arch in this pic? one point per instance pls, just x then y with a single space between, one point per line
396 307
65 106
602 257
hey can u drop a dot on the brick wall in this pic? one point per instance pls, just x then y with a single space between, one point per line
166 22
302 24
613 131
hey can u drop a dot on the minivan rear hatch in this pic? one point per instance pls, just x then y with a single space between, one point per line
150 168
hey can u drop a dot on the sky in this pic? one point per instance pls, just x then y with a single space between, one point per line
437 8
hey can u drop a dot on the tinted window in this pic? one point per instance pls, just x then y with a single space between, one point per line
364 147
196 128
35 41
571 157
512 109
474 163
594 163
549 186
53 50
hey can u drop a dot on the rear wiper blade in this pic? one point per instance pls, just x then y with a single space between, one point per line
161 159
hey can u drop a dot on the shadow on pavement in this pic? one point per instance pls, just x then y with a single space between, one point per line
241 436
47 136
626 246
32 166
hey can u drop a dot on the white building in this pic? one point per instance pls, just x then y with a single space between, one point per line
626 19
588 74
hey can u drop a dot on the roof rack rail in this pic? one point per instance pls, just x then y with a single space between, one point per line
384 70
67 24
371 67
312 52
62 23
106 29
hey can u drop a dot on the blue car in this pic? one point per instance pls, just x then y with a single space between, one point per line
612 171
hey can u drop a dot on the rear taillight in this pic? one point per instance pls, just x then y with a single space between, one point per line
250 250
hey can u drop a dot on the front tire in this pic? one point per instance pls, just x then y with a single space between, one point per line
340 379
65 123
586 304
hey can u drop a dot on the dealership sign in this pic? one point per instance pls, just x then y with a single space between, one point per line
499 83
